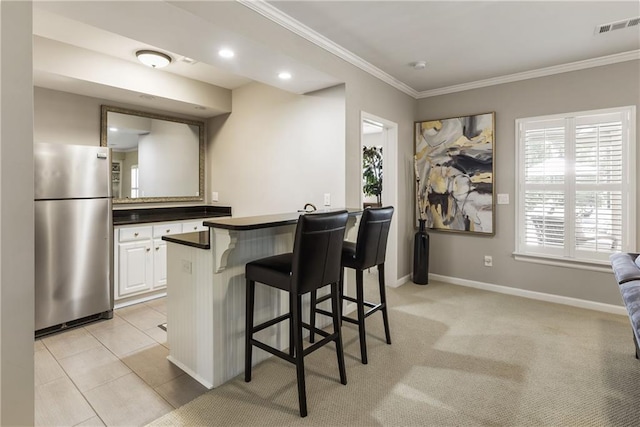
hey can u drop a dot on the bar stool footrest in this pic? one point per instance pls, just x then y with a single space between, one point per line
374 308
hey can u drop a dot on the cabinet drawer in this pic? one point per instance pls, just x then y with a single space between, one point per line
135 233
166 229
190 227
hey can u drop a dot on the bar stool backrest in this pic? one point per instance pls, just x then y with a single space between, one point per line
371 246
317 251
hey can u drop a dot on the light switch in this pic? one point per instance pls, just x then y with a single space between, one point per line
327 199
214 196
503 199
186 266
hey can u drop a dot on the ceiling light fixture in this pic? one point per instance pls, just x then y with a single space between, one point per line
226 53
284 75
153 59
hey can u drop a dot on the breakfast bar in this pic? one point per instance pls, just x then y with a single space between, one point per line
206 292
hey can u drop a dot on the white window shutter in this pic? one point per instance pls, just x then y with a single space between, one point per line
577 185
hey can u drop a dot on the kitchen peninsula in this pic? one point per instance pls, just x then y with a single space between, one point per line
206 292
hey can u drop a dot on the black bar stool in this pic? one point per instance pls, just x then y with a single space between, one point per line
368 251
314 263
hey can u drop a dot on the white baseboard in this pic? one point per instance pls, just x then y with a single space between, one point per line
137 300
401 281
575 302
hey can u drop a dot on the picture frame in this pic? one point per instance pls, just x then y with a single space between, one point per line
455 173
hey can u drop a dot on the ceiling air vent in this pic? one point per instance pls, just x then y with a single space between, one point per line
618 25
188 60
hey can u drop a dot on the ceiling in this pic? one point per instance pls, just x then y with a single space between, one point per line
468 41
464 44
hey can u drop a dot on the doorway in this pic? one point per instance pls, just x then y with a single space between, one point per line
379 144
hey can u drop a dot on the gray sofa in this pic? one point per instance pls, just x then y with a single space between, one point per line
626 267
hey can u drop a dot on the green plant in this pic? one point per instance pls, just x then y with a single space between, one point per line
372 172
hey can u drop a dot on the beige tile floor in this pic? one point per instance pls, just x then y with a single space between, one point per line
112 372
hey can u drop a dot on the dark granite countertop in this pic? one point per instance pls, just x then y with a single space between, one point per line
267 221
178 213
198 240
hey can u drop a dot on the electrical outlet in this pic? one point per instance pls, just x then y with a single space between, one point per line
186 266
488 261
214 196
327 199
503 199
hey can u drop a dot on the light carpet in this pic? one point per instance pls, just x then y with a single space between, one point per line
460 357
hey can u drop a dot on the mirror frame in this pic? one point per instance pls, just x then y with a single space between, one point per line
103 142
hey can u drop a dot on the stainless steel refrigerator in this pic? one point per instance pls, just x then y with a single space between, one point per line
73 236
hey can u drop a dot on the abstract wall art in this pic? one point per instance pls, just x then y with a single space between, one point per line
454 164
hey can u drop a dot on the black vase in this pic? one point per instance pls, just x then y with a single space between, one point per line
421 255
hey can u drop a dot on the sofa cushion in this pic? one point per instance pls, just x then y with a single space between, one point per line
625 267
638 261
630 292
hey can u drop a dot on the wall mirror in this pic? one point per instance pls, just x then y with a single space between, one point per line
154 158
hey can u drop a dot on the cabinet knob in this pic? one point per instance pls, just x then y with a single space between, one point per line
135 234
148 249
157 248
195 228
168 230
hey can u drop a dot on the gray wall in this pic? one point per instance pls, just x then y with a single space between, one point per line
16 216
461 255
67 118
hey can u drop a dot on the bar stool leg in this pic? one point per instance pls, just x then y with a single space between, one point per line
360 307
248 347
291 325
296 311
383 302
335 303
341 294
312 318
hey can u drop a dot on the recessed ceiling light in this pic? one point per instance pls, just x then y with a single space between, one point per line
226 53
153 59
419 65
112 129
285 75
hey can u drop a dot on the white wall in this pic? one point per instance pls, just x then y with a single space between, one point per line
363 92
278 150
16 216
461 255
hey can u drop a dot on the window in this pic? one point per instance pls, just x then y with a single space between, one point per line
576 185
134 182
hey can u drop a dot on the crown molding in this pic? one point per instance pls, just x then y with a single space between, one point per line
541 72
285 21
272 13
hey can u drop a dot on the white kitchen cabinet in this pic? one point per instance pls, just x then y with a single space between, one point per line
193 226
160 252
140 261
135 273
159 264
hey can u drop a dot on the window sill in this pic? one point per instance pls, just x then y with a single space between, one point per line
594 265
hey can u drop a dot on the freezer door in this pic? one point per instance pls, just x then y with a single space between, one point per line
71 171
74 247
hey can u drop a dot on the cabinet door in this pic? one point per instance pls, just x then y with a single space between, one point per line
159 263
135 265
